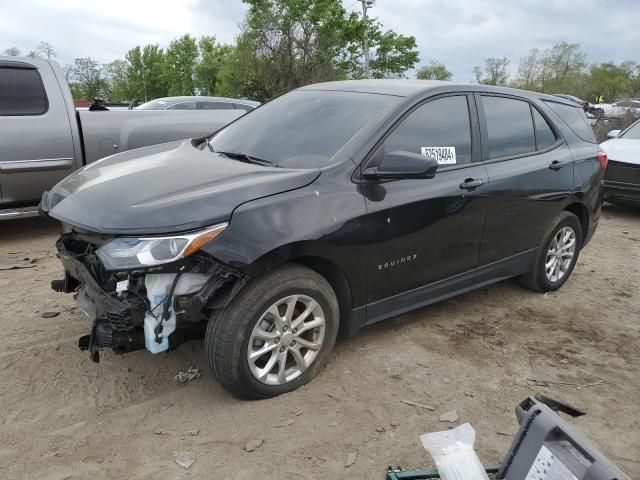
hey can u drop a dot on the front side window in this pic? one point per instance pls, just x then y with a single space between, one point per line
242 106
182 106
440 129
21 92
509 127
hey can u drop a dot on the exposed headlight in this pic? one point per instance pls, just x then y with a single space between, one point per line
130 252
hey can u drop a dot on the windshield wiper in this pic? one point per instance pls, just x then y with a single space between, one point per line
245 157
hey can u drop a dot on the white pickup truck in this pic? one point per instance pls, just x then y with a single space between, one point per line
43 138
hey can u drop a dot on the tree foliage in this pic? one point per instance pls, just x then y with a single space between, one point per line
494 72
434 71
180 66
208 71
563 68
89 75
12 52
285 44
46 50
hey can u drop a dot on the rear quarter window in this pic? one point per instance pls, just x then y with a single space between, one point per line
21 92
575 119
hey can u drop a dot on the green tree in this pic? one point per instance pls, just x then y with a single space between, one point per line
180 64
12 52
208 71
242 74
494 73
146 78
45 49
77 92
611 81
563 68
392 53
118 74
530 68
89 74
434 71
285 44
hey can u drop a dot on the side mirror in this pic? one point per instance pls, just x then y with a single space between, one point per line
613 133
402 165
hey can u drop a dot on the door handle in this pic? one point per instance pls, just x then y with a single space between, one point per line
557 165
471 183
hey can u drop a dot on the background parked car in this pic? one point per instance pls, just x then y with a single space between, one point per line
621 107
622 177
589 108
198 103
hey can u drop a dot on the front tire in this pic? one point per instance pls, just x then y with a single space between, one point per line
275 335
557 256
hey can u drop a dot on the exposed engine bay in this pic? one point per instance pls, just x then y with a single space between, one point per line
156 307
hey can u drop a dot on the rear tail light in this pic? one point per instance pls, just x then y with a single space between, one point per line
602 157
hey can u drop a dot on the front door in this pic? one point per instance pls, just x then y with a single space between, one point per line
424 234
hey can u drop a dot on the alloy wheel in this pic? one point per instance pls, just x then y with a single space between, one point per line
286 340
560 254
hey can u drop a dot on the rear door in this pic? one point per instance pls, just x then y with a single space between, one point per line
530 170
35 133
424 234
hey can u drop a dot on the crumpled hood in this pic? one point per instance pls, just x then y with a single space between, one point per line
622 150
167 188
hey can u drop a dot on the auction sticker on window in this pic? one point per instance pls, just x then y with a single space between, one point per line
443 155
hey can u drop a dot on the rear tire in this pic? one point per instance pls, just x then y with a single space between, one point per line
552 265
269 315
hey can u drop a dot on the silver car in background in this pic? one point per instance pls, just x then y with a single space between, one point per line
198 103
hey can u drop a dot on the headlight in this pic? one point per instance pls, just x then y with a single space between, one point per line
130 252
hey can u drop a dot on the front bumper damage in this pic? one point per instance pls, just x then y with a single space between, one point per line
117 302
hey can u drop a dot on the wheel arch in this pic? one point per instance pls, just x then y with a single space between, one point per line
580 211
333 274
307 254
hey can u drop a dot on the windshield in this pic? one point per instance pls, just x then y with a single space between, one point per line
304 128
633 133
157 104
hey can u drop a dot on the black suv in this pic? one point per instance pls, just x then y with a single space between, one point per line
327 209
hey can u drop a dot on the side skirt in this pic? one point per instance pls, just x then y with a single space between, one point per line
450 287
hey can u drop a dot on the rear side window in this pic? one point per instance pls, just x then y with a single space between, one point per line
21 92
215 106
439 128
575 119
509 127
544 134
182 106
241 106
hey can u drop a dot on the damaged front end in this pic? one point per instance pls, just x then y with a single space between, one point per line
154 292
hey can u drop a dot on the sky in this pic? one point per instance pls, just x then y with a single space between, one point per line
459 33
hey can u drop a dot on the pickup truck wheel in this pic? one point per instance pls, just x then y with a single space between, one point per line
275 335
557 256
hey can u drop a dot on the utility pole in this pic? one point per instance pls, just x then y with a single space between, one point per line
365 5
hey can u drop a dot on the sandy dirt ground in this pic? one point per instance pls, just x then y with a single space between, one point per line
63 417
